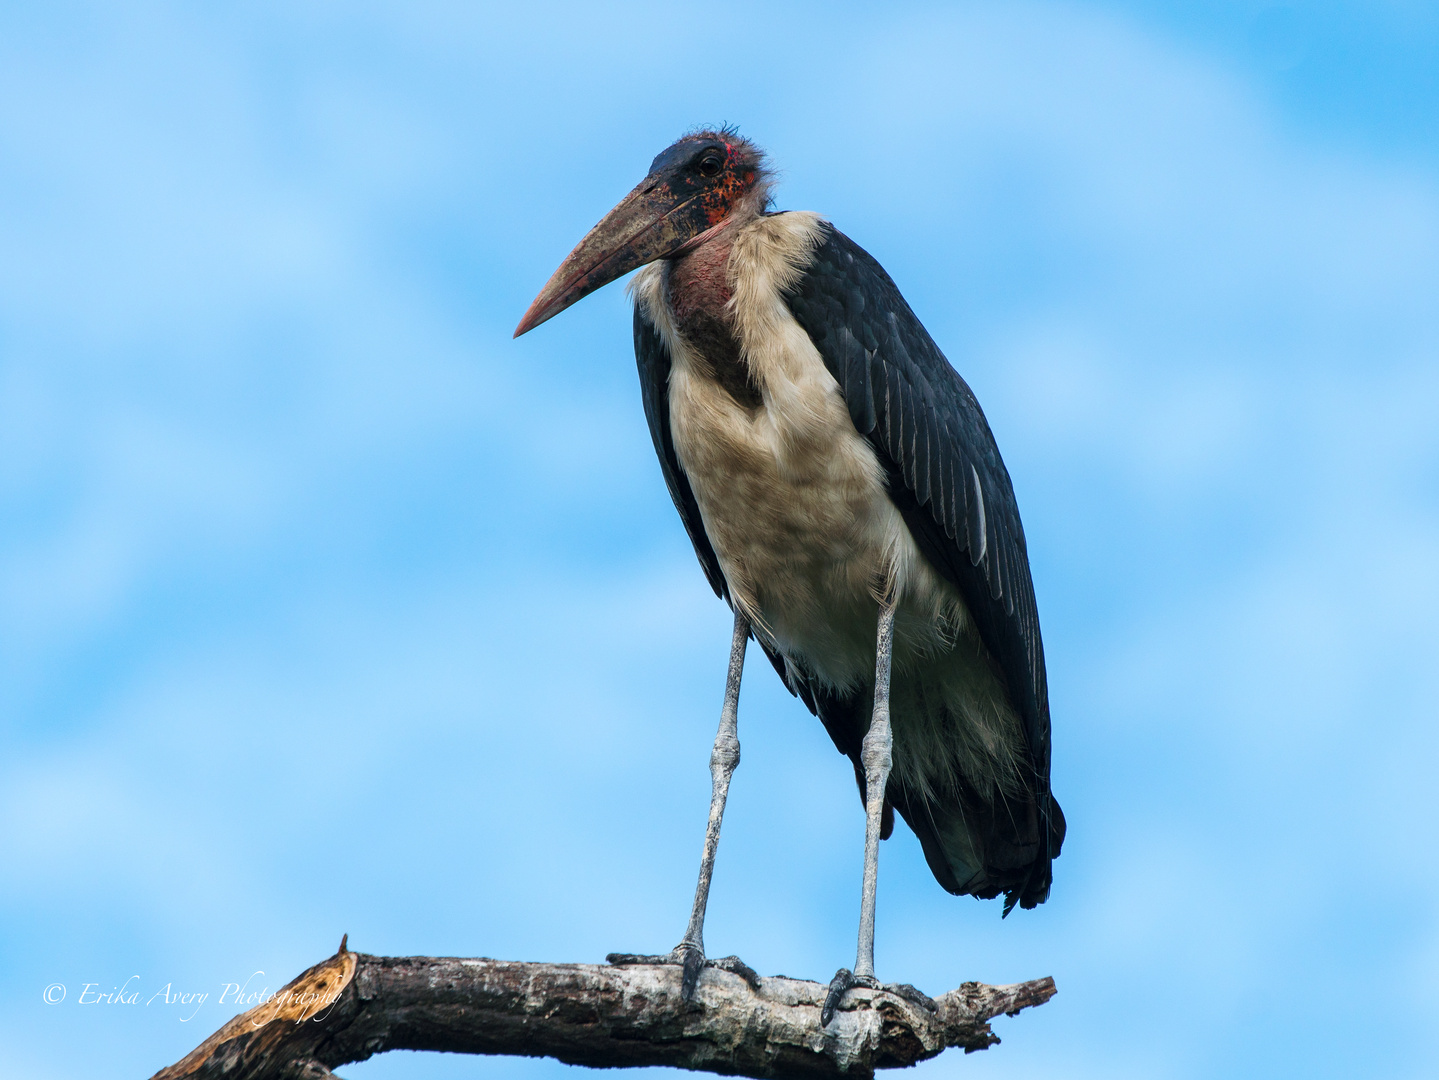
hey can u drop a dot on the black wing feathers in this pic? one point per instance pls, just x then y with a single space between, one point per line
946 478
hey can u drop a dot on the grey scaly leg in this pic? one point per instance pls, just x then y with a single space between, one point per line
876 755
723 759
877 758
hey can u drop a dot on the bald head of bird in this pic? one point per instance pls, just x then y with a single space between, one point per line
694 188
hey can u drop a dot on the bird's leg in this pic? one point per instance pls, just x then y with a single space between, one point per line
876 755
877 758
690 952
724 758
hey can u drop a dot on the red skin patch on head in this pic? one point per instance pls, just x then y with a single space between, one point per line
719 200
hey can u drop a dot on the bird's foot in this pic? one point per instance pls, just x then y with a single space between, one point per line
844 979
691 960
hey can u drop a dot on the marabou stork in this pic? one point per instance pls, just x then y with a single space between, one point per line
845 496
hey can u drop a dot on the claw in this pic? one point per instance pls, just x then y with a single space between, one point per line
838 987
621 959
735 966
912 994
691 960
845 980
694 962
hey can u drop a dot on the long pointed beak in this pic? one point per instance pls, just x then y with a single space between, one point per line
652 221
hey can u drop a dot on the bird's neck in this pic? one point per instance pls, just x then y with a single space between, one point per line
697 282
698 292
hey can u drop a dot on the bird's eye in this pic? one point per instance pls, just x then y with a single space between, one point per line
710 165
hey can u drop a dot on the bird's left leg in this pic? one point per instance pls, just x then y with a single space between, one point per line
877 757
724 758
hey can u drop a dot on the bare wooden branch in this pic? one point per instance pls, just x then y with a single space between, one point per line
352 1006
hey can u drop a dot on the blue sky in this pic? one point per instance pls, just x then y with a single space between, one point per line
325 607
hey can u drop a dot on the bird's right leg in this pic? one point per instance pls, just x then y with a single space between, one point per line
724 758
877 757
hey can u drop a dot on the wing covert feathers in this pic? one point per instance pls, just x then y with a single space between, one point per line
951 486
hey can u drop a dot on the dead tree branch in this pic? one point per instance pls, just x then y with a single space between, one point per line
352 1006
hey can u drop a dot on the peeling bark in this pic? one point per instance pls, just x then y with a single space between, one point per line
352 1006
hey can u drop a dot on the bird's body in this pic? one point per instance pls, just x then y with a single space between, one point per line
844 493
795 505
791 498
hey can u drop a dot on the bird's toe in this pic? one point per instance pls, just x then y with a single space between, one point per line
844 980
735 966
692 961
911 994
838 987
625 959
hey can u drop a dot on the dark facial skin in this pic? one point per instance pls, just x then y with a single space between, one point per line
692 187
715 172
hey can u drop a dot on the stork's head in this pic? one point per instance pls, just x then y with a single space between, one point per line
693 189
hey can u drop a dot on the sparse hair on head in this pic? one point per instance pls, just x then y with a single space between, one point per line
765 175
